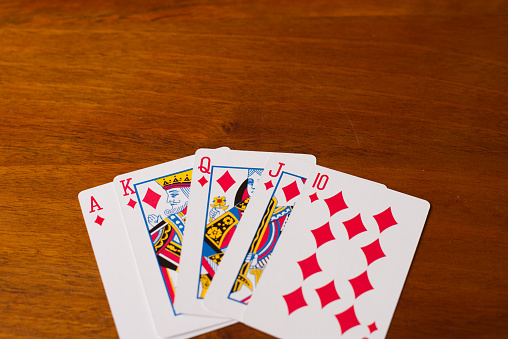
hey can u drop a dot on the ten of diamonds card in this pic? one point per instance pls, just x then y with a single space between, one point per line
340 265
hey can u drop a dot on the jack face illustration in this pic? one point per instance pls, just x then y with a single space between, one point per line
272 223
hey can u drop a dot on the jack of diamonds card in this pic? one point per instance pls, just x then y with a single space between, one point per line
278 191
222 186
273 220
340 266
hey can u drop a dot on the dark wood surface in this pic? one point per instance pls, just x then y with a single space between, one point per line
412 94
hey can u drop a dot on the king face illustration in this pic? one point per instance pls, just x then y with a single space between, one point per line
178 198
177 189
166 231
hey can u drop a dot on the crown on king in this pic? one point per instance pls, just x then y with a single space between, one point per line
182 179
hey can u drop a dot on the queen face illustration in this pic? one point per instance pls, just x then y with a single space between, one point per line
252 182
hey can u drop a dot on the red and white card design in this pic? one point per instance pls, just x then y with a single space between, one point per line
259 230
153 204
118 269
223 183
265 219
340 265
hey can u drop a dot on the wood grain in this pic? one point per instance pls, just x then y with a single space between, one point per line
410 94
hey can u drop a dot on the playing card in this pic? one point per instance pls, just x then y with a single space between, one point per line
116 263
222 185
251 248
340 265
154 203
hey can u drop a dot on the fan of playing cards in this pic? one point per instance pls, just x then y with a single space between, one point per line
273 240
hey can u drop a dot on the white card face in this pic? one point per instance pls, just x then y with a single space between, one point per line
250 250
221 188
341 263
266 216
154 203
116 263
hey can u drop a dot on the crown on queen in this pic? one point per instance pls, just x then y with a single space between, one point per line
182 179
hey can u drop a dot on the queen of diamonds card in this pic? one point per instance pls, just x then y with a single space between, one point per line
230 192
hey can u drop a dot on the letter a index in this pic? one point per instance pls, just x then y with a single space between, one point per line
94 204
125 186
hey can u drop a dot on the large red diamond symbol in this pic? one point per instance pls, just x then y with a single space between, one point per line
268 184
323 234
327 294
309 266
347 319
152 198
372 327
226 181
291 191
295 300
361 284
354 226
131 203
313 197
336 203
385 219
99 220
373 252
203 181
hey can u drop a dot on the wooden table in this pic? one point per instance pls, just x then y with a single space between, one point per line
412 94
